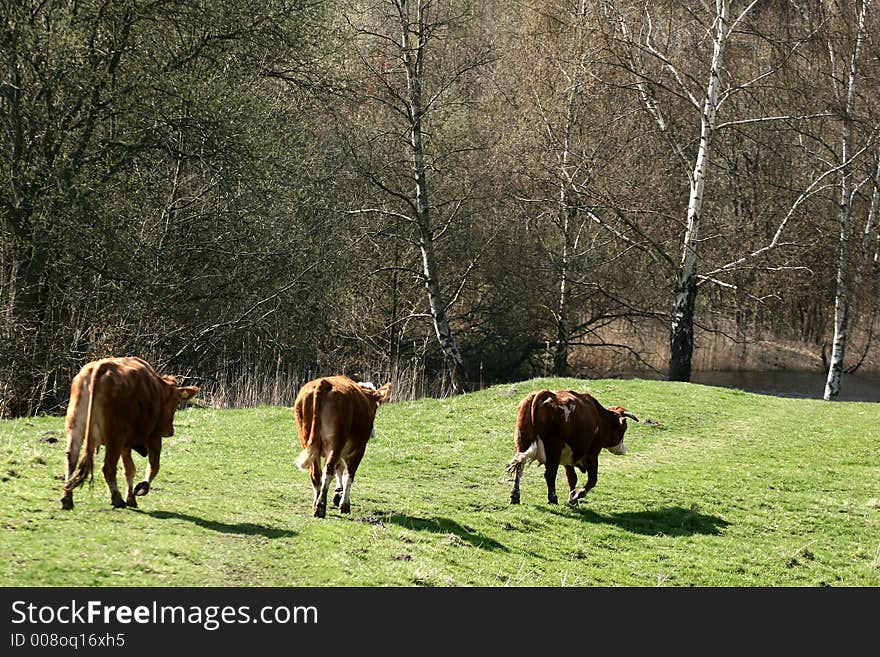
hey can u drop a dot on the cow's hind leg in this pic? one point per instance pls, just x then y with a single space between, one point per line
572 478
154 451
111 461
351 467
315 476
320 509
74 443
551 469
130 472
592 477
337 494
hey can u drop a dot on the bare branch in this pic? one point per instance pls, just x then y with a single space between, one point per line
812 189
766 119
389 213
668 64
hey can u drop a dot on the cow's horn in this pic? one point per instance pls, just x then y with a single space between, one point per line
630 415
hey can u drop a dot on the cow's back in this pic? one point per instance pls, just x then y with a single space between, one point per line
346 412
128 404
583 414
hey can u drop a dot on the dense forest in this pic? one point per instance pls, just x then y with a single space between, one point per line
440 193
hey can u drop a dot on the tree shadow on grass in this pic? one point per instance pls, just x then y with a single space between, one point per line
444 526
669 521
246 528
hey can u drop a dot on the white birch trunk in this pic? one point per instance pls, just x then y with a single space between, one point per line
563 315
842 293
412 55
569 217
682 329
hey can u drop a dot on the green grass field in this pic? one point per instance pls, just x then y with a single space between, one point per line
720 488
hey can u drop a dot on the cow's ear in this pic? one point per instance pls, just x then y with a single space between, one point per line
384 392
188 392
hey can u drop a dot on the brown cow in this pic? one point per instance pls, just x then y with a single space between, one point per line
565 428
334 417
123 404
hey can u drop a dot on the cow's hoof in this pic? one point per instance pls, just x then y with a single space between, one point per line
67 503
142 488
576 495
345 507
118 503
131 502
552 500
514 498
320 510
337 498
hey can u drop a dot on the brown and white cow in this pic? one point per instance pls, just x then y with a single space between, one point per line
334 417
566 428
123 404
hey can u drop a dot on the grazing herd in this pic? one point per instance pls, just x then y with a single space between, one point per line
124 405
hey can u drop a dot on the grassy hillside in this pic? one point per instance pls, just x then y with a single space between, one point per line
720 488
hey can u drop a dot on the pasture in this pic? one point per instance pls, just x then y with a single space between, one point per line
720 488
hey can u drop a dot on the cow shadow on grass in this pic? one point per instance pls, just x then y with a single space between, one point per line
444 526
668 521
245 528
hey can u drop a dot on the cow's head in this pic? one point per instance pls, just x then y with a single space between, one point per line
379 395
614 441
174 396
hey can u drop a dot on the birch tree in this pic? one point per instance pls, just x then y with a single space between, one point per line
397 52
845 296
667 76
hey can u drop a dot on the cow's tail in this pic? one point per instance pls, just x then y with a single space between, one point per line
312 452
528 444
85 466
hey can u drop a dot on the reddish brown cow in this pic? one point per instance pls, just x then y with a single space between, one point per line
334 417
565 428
123 404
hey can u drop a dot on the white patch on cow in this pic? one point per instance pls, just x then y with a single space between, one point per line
619 449
346 489
566 412
367 385
326 478
535 452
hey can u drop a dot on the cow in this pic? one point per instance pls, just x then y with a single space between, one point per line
334 418
123 404
566 428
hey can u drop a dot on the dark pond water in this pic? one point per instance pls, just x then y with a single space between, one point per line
809 385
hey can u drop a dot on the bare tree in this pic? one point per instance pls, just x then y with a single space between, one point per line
668 74
844 296
398 55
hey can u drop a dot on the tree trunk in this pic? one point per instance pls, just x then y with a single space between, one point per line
563 315
568 213
681 342
413 58
742 325
842 293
